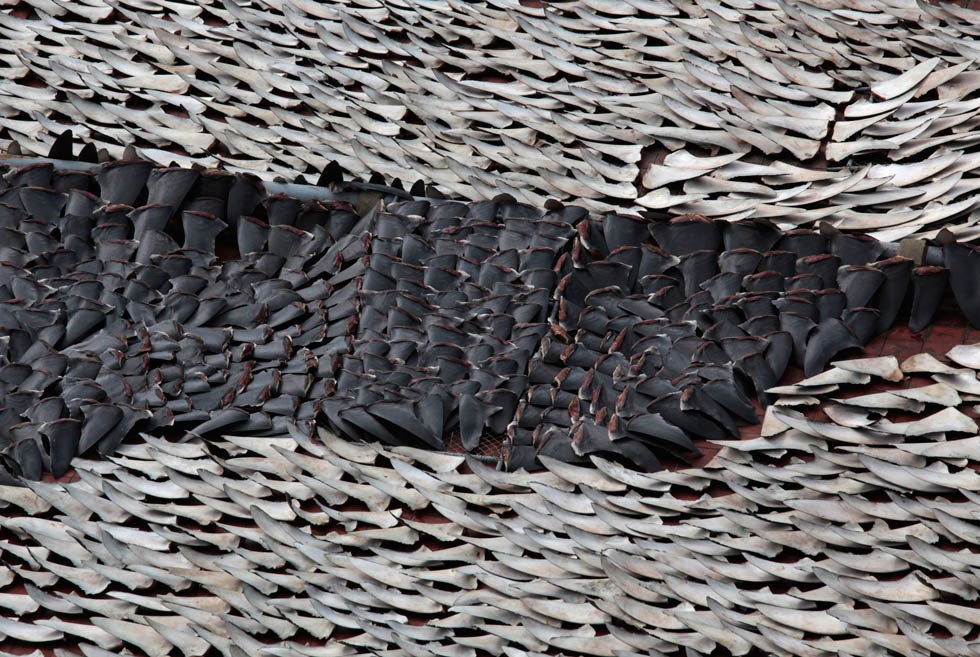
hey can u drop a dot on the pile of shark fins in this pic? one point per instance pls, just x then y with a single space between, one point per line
796 112
453 303
118 316
191 301
851 532
664 332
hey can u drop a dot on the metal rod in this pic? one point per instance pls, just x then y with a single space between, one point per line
299 192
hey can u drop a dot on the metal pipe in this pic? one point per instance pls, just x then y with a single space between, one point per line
297 191
70 165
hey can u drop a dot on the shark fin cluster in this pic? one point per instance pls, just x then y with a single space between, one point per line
851 531
185 301
862 115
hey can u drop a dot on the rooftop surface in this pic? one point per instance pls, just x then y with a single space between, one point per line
228 517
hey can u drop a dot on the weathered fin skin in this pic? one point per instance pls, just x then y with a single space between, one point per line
824 265
928 289
961 261
685 234
697 267
757 370
860 284
802 241
123 182
830 303
855 249
399 414
24 459
170 186
63 439
201 230
42 204
743 261
732 398
862 321
759 236
783 262
99 420
151 217
829 338
779 351
799 327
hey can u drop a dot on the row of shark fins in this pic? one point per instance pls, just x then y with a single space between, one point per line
665 331
656 333
788 111
848 528
137 296
118 314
